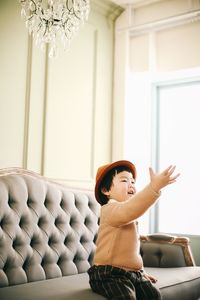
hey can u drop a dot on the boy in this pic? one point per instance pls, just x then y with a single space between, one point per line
118 271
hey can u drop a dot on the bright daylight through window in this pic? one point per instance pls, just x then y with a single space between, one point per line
178 123
162 128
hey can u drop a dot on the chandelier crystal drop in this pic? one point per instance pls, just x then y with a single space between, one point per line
51 20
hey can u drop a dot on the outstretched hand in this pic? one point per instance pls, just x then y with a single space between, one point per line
158 181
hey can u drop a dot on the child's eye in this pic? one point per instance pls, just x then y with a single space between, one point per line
124 180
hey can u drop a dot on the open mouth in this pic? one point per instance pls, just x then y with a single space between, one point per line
131 193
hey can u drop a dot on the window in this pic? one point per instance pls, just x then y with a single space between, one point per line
177 141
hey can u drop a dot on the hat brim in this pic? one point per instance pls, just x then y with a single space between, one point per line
109 167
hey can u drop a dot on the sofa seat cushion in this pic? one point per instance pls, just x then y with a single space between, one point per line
177 283
64 288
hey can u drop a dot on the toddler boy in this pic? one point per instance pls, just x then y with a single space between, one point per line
118 271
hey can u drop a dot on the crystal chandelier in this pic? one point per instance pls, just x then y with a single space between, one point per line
51 20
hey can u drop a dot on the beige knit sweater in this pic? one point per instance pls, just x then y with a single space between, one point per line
118 239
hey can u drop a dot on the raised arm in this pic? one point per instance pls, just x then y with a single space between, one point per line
139 203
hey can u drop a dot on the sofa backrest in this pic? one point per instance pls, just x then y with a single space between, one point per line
166 251
46 229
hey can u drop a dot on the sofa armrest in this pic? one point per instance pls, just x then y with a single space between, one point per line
165 251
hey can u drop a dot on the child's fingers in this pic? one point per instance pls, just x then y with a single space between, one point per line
174 177
169 171
151 172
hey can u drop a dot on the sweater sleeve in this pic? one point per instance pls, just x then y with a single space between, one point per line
121 213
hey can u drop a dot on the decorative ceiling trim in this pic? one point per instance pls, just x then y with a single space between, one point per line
135 3
107 8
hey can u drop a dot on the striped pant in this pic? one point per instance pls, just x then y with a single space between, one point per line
116 283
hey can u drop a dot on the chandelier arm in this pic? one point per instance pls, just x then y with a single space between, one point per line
64 24
62 14
31 16
77 16
67 29
74 12
51 7
67 5
34 5
47 27
39 26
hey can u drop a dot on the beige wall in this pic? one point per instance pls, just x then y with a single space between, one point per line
178 48
56 114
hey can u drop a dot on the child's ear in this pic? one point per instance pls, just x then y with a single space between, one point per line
105 191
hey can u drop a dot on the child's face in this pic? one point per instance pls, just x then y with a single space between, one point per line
123 187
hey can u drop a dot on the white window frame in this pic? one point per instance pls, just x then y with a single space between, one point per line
170 79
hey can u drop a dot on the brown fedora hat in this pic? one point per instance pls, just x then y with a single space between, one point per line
103 170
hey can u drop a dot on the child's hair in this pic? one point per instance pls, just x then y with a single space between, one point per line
107 181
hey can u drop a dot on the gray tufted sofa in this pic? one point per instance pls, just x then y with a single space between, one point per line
47 242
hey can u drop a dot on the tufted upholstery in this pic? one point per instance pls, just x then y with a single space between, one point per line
46 230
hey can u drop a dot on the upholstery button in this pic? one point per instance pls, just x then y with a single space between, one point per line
82 239
95 238
4 221
86 221
29 202
41 221
75 259
32 243
22 222
11 202
72 222
68 241
46 202
16 243
62 204
50 241
57 222
43 262
90 205
5 267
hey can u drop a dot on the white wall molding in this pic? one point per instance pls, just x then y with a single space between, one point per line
162 24
121 63
27 102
